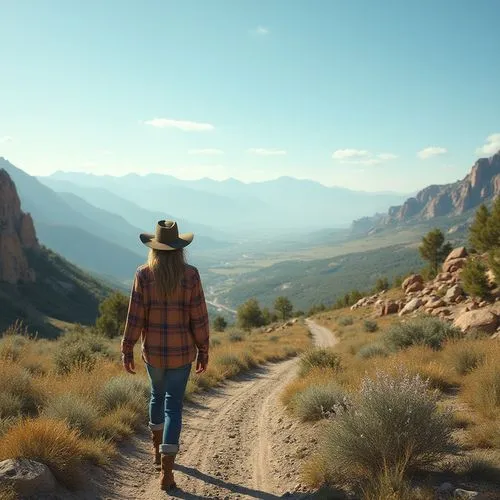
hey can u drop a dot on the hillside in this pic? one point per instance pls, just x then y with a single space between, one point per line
282 204
457 199
37 285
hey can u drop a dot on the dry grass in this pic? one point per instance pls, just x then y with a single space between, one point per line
463 371
66 401
48 441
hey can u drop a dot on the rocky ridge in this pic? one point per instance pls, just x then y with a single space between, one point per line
17 233
481 185
442 297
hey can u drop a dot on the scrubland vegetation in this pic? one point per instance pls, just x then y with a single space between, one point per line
400 408
67 401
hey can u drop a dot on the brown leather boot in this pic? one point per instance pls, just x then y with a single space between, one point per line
167 482
157 440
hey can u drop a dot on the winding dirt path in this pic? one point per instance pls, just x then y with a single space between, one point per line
236 442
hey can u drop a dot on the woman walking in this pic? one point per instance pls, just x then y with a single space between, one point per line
167 310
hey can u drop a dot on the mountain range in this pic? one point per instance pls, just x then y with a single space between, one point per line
232 206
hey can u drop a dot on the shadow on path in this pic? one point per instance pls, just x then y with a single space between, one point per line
231 487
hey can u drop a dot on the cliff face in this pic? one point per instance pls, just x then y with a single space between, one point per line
17 233
480 185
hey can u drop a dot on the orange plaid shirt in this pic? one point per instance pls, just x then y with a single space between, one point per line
172 329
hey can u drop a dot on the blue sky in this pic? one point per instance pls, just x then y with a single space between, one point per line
367 94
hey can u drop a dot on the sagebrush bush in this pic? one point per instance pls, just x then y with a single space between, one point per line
319 358
231 364
12 347
48 441
370 325
124 390
236 336
345 321
394 424
425 330
372 350
318 401
79 350
78 413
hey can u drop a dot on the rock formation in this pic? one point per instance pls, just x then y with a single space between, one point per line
17 233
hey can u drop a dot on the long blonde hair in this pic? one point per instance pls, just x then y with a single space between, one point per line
167 268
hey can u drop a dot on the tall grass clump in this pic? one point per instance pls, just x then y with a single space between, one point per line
20 394
318 358
124 390
372 350
230 364
482 389
425 330
318 401
467 360
392 427
48 441
78 413
236 336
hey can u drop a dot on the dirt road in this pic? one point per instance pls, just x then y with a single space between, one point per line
236 443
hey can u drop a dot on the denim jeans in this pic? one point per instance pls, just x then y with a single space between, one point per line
165 408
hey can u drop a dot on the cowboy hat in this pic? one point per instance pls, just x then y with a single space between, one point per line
167 237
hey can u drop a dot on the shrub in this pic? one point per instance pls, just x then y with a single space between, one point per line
112 315
79 351
425 330
118 423
219 323
274 338
214 342
230 364
11 405
318 358
250 315
236 336
48 441
474 279
394 426
467 360
124 390
318 401
75 411
372 350
370 325
345 321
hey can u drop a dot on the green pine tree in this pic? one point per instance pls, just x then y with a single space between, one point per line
434 249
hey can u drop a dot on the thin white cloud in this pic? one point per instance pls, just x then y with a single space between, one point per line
261 31
431 151
361 157
491 147
387 156
267 152
346 154
206 152
5 139
184 125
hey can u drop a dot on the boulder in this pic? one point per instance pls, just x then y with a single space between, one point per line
453 265
434 302
412 306
457 253
482 319
413 278
415 287
27 477
390 307
454 293
441 277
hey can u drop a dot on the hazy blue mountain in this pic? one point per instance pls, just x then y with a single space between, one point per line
135 215
280 204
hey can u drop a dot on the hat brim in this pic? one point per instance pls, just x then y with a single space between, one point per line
182 241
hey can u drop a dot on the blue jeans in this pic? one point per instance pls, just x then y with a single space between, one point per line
165 408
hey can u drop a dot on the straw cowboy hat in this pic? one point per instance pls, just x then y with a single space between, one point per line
167 237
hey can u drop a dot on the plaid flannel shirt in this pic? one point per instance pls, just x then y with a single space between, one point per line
172 329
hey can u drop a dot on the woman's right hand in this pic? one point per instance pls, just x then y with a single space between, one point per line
201 366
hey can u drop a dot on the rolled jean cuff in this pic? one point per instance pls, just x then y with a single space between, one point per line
169 449
156 427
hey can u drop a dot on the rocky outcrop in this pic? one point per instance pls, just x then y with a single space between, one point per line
481 319
27 477
480 185
17 233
